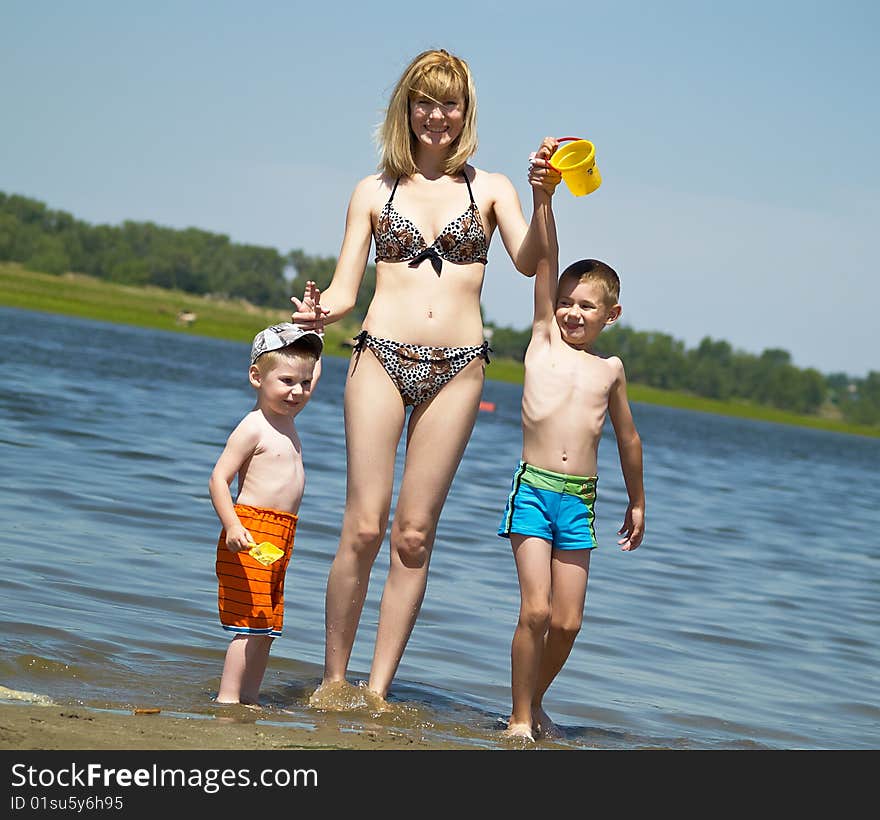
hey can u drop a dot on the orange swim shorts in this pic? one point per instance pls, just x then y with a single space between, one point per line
250 595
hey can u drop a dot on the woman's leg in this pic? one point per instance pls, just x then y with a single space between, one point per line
569 570
374 416
532 556
438 433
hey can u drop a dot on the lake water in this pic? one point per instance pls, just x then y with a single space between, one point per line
747 619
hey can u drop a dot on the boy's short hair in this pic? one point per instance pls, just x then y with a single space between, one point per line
273 358
286 335
592 270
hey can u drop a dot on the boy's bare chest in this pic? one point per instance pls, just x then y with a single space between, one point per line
572 375
279 448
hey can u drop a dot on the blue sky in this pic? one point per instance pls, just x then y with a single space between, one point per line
737 142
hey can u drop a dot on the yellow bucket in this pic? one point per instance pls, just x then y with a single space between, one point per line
577 164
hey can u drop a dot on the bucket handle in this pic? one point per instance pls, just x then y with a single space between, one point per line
561 139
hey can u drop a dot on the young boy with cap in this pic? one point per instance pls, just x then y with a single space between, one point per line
253 551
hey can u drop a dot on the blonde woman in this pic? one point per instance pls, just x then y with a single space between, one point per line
431 216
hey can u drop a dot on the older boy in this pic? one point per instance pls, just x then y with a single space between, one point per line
568 390
253 551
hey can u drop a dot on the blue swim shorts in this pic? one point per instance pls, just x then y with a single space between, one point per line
552 506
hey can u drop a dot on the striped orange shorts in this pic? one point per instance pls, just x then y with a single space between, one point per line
250 595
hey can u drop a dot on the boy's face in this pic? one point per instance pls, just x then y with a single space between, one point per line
284 387
581 311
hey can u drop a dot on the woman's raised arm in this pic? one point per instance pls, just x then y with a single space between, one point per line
523 242
340 296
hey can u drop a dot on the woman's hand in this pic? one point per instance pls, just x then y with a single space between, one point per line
541 175
309 314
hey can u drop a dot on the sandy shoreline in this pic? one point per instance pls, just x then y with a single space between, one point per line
58 727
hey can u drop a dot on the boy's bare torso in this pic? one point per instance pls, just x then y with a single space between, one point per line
273 477
565 400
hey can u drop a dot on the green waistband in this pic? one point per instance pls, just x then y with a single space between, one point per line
580 485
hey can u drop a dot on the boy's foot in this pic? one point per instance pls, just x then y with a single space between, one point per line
519 731
248 704
544 726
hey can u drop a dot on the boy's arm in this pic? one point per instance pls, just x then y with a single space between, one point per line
547 267
542 234
239 448
629 448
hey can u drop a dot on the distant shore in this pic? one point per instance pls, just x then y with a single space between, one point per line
237 320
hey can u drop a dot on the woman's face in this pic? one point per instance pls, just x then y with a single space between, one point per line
436 123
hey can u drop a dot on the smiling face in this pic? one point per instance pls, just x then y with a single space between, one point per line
412 124
582 311
283 382
436 123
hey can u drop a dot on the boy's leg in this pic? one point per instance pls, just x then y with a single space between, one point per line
532 556
437 436
569 571
243 669
374 416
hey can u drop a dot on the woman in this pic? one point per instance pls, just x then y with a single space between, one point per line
431 216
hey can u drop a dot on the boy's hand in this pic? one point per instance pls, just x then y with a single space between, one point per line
309 314
541 175
633 529
238 538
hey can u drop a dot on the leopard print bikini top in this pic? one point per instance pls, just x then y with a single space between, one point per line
461 242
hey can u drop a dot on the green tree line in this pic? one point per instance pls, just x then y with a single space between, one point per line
198 261
143 253
715 370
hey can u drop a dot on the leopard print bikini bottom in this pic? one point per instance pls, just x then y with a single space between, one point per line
417 371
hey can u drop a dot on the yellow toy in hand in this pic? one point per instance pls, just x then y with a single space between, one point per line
577 164
266 553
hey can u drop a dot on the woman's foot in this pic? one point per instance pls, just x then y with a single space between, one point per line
341 696
544 726
334 696
519 731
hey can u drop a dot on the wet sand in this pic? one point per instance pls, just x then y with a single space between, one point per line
34 726
29 720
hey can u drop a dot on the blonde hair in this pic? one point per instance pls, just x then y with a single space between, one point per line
438 75
268 361
592 270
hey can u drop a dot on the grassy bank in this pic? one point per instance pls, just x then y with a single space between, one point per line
85 296
91 298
